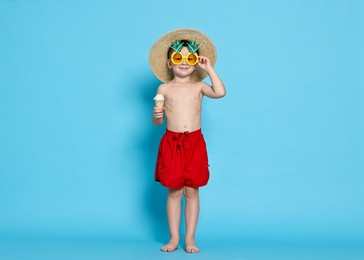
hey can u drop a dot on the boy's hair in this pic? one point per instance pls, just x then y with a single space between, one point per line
170 50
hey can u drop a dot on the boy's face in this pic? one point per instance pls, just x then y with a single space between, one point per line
183 69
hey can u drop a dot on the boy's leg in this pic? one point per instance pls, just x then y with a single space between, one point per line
191 214
174 217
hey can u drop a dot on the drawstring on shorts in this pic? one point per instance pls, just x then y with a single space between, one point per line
180 137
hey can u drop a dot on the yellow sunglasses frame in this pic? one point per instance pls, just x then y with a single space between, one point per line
184 58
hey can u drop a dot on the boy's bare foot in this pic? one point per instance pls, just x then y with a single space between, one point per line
191 247
171 246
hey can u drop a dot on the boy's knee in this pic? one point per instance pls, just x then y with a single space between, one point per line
190 192
175 193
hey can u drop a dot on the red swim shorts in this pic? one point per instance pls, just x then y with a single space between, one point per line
182 160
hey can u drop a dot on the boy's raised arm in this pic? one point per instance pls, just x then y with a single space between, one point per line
218 89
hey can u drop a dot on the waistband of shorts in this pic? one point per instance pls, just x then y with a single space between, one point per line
193 133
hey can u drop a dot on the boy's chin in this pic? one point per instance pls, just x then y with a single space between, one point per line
187 72
183 75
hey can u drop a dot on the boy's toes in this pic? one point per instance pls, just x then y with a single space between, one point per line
170 247
192 249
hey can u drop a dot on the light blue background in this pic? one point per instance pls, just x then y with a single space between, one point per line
286 146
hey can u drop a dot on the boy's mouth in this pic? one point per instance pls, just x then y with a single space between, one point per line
184 67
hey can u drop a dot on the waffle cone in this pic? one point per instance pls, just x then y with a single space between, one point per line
159 103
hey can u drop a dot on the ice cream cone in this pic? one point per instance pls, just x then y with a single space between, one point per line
159 100
159 103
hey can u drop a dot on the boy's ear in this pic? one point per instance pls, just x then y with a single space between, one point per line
169 64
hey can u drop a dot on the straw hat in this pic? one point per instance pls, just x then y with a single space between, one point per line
159 51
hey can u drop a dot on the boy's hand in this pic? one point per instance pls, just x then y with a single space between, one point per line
158 113
204 63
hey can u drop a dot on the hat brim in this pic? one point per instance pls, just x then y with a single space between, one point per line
159 51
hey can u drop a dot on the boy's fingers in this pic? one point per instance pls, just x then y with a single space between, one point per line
158 113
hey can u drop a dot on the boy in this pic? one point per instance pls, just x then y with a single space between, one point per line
182 58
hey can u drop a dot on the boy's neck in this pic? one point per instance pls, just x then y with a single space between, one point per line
177 79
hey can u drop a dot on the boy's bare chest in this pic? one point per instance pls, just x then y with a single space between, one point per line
183 96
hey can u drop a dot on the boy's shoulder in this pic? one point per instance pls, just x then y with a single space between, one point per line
162 87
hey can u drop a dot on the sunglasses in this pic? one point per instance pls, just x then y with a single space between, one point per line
191 58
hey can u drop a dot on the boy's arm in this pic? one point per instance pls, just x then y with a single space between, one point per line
158 113
218 89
